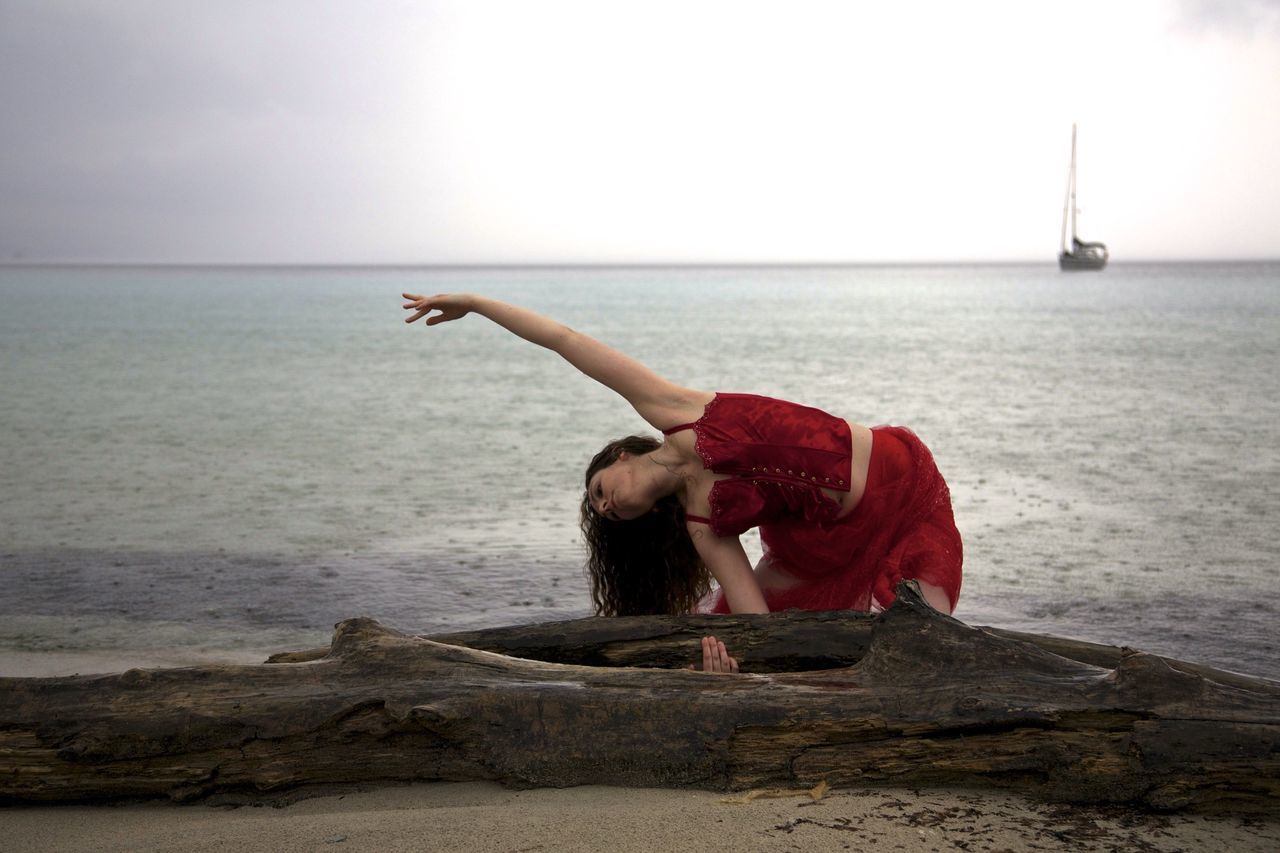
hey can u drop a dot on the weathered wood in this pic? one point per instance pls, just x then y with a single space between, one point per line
790 642
930 701
765 643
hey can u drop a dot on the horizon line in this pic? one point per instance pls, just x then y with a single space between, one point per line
481 265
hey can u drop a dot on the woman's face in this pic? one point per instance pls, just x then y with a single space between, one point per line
614 492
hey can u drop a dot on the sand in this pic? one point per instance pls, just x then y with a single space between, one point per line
486 817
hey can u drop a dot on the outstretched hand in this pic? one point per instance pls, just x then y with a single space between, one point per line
715 657
452 306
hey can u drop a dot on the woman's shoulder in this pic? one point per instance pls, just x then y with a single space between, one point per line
687 410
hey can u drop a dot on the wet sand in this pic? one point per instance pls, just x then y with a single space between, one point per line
485 817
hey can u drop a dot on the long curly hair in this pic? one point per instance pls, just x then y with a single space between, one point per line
644 566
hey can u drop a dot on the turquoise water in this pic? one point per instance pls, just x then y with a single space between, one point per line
230 460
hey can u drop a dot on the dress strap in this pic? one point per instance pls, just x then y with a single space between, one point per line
691 517
680 428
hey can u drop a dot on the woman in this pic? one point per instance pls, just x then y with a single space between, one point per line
844 511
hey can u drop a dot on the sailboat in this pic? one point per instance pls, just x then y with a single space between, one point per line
1081 255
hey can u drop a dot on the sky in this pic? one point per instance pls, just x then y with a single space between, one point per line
601 131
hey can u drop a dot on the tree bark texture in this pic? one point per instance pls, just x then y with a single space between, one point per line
908 697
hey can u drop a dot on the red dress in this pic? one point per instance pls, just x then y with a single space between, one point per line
780 456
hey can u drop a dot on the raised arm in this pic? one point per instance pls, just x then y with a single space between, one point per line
659 401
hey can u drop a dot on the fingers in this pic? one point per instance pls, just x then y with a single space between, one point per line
716 658
415 302
727 663
422 305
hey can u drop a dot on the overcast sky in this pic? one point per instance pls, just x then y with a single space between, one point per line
551 131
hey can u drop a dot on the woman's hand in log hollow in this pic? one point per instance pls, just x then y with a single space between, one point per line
452 306
715 657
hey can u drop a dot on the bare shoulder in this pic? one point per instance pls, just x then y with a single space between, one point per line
689 405
675 407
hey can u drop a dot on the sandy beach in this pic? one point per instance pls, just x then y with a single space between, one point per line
486 817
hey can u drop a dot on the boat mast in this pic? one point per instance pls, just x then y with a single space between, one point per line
1069 203
1074 211
1077 255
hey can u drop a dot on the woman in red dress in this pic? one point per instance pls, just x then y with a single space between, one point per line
844 511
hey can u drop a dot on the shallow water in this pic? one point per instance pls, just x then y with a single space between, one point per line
232 460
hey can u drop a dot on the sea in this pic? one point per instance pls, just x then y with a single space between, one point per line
203 464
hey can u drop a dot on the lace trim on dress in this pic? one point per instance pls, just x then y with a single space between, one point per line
698 426
714 503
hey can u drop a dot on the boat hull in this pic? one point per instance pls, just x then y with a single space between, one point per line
1067 262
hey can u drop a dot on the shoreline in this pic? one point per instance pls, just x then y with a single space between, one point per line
481 816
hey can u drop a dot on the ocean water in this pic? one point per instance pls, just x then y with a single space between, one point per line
203 463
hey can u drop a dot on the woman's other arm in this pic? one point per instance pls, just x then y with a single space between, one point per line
659 401
725 558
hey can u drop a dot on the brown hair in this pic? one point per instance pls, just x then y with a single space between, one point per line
644 566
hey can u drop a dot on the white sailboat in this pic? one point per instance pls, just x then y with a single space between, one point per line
1080 255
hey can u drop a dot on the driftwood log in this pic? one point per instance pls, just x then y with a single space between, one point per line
908 697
